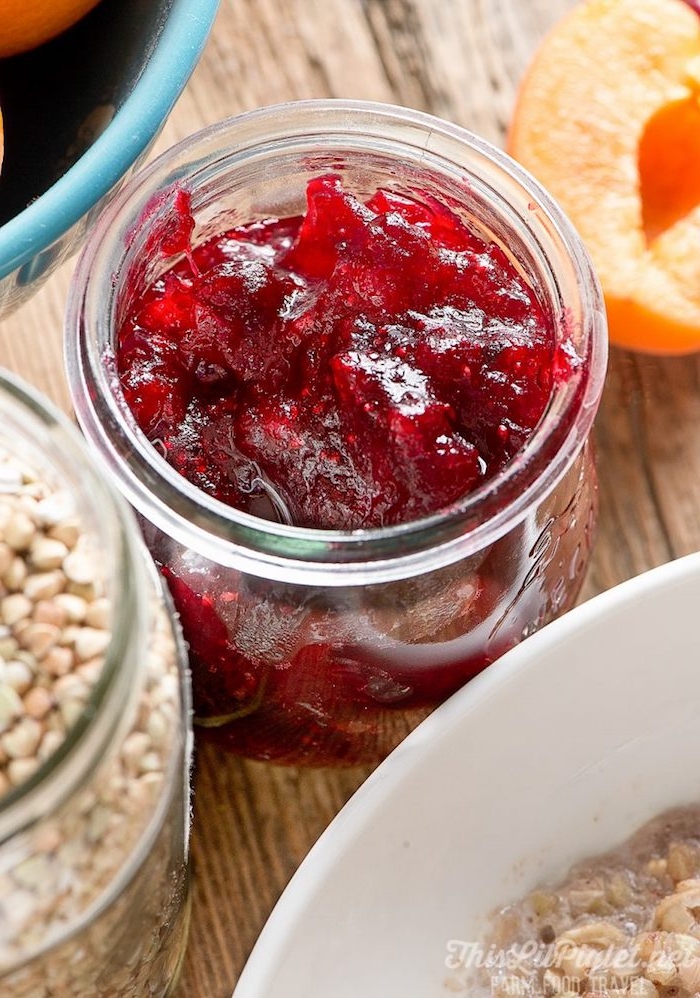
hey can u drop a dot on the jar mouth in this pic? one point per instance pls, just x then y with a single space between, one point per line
278 550
66 769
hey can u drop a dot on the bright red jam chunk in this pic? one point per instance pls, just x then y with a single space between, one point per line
366 364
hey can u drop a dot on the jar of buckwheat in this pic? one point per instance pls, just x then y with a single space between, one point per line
94 729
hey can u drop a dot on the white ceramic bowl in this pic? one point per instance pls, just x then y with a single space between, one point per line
558 751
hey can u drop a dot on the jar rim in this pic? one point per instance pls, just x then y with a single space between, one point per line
300 554
70 766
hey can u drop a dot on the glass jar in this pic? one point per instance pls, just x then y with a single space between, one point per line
321 646
94 842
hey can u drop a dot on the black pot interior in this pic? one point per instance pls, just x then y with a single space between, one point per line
58 98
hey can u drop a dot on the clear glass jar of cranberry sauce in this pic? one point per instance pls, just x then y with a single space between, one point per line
324 646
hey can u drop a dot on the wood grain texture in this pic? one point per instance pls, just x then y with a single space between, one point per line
460 59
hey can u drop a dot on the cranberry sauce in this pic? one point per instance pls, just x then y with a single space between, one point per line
363 365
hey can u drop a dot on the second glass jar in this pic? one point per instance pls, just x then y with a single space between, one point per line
95 806
323 646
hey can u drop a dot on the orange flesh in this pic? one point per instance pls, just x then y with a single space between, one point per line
669 166
608 119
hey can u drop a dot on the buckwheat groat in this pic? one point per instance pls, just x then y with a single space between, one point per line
54 621
92 771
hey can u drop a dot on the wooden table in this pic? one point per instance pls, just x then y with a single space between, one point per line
460 59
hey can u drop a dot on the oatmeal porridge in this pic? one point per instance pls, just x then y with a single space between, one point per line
626 923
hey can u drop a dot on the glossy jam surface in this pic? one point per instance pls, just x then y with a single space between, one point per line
363 365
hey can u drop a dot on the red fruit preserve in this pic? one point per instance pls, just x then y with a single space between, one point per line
349 393
367 364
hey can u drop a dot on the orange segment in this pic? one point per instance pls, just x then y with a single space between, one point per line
608 118
24 24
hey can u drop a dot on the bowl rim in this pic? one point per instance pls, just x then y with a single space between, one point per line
136 123
386 780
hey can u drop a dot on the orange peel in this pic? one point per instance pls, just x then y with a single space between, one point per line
25 24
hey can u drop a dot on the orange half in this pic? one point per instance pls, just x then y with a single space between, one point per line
24 24
608 119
